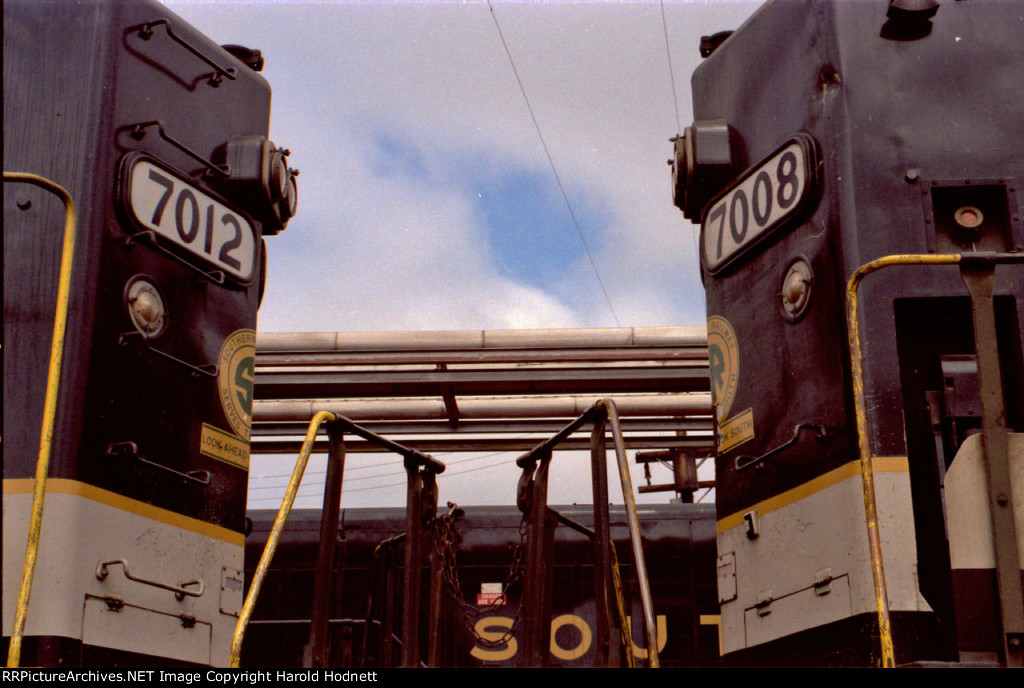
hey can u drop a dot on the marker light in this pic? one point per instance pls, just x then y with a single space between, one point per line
146 307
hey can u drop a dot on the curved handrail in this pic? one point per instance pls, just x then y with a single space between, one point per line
597 413
49 405
965 261
867 474
275 535
646 601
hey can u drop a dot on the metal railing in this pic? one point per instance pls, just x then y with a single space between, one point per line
976 269
421 470
541 520
49 405
421 508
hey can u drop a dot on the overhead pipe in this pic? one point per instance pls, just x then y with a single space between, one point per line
617 337
688 404
584 355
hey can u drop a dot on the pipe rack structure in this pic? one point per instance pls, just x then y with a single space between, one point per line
484 390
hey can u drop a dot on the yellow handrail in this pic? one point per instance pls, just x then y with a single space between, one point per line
275 535
49 406
867 475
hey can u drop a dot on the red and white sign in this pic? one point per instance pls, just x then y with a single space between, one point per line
490 595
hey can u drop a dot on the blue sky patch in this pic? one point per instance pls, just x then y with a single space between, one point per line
529 228
394 157
530 231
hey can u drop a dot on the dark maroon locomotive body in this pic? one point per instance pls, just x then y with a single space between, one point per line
365 615
159 137
865 158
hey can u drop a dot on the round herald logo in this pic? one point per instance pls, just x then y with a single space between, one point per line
235 376
724 363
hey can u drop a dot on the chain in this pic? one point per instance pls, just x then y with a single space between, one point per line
446 547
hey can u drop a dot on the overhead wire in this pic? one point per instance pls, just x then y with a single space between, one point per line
458 462
675 101
389 464
395 461
446 474
679 128
671 72
551 163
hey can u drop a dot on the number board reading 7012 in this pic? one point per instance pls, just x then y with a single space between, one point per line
759 202
189 218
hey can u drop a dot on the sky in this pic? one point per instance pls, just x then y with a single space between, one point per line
429 201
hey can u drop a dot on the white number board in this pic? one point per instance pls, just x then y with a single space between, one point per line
192 219
763 199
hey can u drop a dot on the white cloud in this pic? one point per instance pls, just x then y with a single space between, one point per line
407 251
401 251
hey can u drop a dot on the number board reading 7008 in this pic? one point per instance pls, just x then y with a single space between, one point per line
190 218
763 199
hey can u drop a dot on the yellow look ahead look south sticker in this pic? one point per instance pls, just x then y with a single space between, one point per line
735 431
237 363
724 363
224 446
